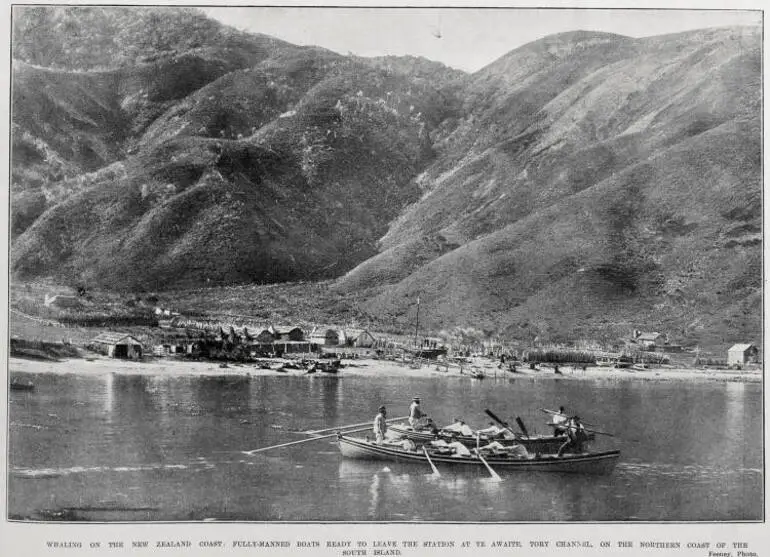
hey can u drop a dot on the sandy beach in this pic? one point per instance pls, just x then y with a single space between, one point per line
378 368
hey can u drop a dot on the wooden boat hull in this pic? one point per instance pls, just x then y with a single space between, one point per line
585 463
21 384
543 444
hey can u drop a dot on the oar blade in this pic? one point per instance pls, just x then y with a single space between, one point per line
492 415
494 475
430 461
523 429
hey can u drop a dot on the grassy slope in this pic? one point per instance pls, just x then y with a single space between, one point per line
296 176
644 212
637 248
573 121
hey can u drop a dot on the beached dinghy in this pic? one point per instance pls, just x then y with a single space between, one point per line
533 443
476 373
583 463
21 385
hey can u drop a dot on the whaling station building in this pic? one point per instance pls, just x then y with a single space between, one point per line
117 345
741 354
227 342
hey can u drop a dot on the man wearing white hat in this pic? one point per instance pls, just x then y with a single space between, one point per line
415 412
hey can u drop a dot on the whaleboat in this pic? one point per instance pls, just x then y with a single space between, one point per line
580 463
533 443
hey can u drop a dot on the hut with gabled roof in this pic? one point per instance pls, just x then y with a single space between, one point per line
360 338
117 345
287 333
740 354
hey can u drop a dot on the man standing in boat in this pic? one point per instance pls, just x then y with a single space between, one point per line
559 422
576 436
380 426
415 413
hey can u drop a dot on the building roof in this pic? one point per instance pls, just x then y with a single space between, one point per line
649 336
740 347
115 338
283 330
62 297
292 342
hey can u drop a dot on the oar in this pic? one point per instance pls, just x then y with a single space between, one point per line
317 431
586 429
499 421
521 427
492 473
289 444
435 470
554 413
584 423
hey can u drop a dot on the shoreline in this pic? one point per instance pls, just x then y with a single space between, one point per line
373 369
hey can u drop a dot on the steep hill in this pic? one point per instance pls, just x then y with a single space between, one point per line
88 38
579 186
596 178
109 73
289 169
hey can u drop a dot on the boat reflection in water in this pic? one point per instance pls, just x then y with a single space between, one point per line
137 442
406 491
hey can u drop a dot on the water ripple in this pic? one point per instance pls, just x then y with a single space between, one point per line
40 473
682 470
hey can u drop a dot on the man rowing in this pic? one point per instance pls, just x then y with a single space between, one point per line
495 448
458 427
496 432
491 431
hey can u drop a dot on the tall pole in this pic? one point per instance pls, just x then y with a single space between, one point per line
417 322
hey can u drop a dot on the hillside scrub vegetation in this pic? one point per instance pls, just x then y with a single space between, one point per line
579 184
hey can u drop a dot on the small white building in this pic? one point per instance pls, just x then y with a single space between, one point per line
649 340
327 336
360 338
740 354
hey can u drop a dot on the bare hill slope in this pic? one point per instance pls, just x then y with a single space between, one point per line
290 169
621 184
580 185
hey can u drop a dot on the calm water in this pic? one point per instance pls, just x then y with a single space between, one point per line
117 447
